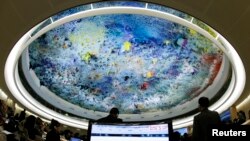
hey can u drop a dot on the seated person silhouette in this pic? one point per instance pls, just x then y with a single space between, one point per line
112 117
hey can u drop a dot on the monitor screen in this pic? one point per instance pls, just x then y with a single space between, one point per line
74 139
182 131
148 131
225 116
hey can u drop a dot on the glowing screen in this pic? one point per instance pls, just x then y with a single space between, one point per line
128 132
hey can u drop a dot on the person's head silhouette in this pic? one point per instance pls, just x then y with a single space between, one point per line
114 112
112 117
203 103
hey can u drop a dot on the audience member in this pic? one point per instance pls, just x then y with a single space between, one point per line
3 111
203 120
77 135
16 117
241 118
22 115
176 136
54 133
186 137
29 128
11 124
68 134
112 117
39 129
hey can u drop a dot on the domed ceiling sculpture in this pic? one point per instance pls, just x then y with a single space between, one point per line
138 63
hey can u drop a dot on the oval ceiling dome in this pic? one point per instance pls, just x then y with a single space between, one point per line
149 61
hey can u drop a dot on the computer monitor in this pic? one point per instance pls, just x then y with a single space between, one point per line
225 116
146 131
74 139
182 131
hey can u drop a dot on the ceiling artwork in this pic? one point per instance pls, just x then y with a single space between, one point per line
136 62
